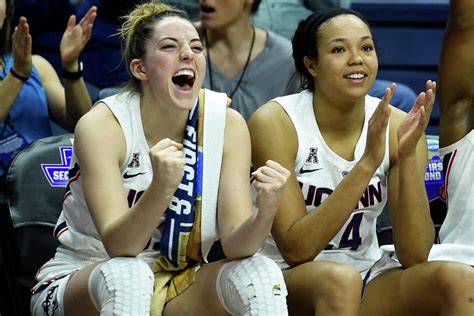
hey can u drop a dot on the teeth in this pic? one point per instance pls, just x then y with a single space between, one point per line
184 72
355 76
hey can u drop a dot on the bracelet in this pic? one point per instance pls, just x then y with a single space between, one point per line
72 75
18 76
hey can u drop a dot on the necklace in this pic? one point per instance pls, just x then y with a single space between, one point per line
245 66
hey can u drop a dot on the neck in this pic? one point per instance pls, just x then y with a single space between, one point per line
161 121
232 38
337 115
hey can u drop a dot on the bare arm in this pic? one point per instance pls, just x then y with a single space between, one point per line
456 68
409 209
11 86
273 136
243 232
123 230
68 104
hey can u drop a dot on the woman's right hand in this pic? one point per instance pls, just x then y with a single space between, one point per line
167 161
21 46
377 130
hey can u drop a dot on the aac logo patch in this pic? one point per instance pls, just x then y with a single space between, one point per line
58 174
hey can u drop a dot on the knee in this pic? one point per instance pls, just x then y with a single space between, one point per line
252 285
124 283
454 280
343 282
128 270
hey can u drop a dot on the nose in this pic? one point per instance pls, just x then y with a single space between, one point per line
186 53
355 58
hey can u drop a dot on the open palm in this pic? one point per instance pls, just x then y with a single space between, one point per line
415 122
76 36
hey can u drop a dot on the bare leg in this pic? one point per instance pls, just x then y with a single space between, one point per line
191 301
432 288
76 297
323 288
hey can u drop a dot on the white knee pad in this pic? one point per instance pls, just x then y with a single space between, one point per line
122 286
252 286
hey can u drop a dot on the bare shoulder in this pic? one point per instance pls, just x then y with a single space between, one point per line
273 135
45 69
41 63
235 123
271 121
269 115
97 128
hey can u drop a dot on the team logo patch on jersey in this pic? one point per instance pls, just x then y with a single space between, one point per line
58 174
312 156
135 163
311 160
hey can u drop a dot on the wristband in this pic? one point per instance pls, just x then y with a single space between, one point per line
72 75
18 76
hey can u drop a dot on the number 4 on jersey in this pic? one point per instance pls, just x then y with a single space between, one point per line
351 237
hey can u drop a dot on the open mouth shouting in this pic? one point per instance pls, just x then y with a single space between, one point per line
184 79
206 10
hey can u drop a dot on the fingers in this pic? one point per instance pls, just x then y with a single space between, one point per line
88 20
168 143
382 113
71 22
272 172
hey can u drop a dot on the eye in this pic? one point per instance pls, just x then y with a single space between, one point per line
337 50
197 49
168 46
368 48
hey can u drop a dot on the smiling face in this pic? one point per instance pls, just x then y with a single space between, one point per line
347 63
174 65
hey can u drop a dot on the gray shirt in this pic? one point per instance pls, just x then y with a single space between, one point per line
269 75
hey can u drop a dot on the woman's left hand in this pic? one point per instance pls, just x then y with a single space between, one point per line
75 38
269 181
415 122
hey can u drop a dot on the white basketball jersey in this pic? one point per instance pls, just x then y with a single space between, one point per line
75 228
319 170
458 161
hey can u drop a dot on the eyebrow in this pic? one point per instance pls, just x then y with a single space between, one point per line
176 40
340 39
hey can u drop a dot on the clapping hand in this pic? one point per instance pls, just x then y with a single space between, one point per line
377 129
415 122
75 38
21 46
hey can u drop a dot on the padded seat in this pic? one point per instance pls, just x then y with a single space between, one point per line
35 185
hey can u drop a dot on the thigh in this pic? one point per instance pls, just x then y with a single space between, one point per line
419 290
76 297
201 297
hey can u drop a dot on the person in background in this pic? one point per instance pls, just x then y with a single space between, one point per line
140 214
30 90
456 139
349 153
282 17
251 64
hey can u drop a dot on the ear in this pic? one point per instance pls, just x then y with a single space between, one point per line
138 69
310 64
